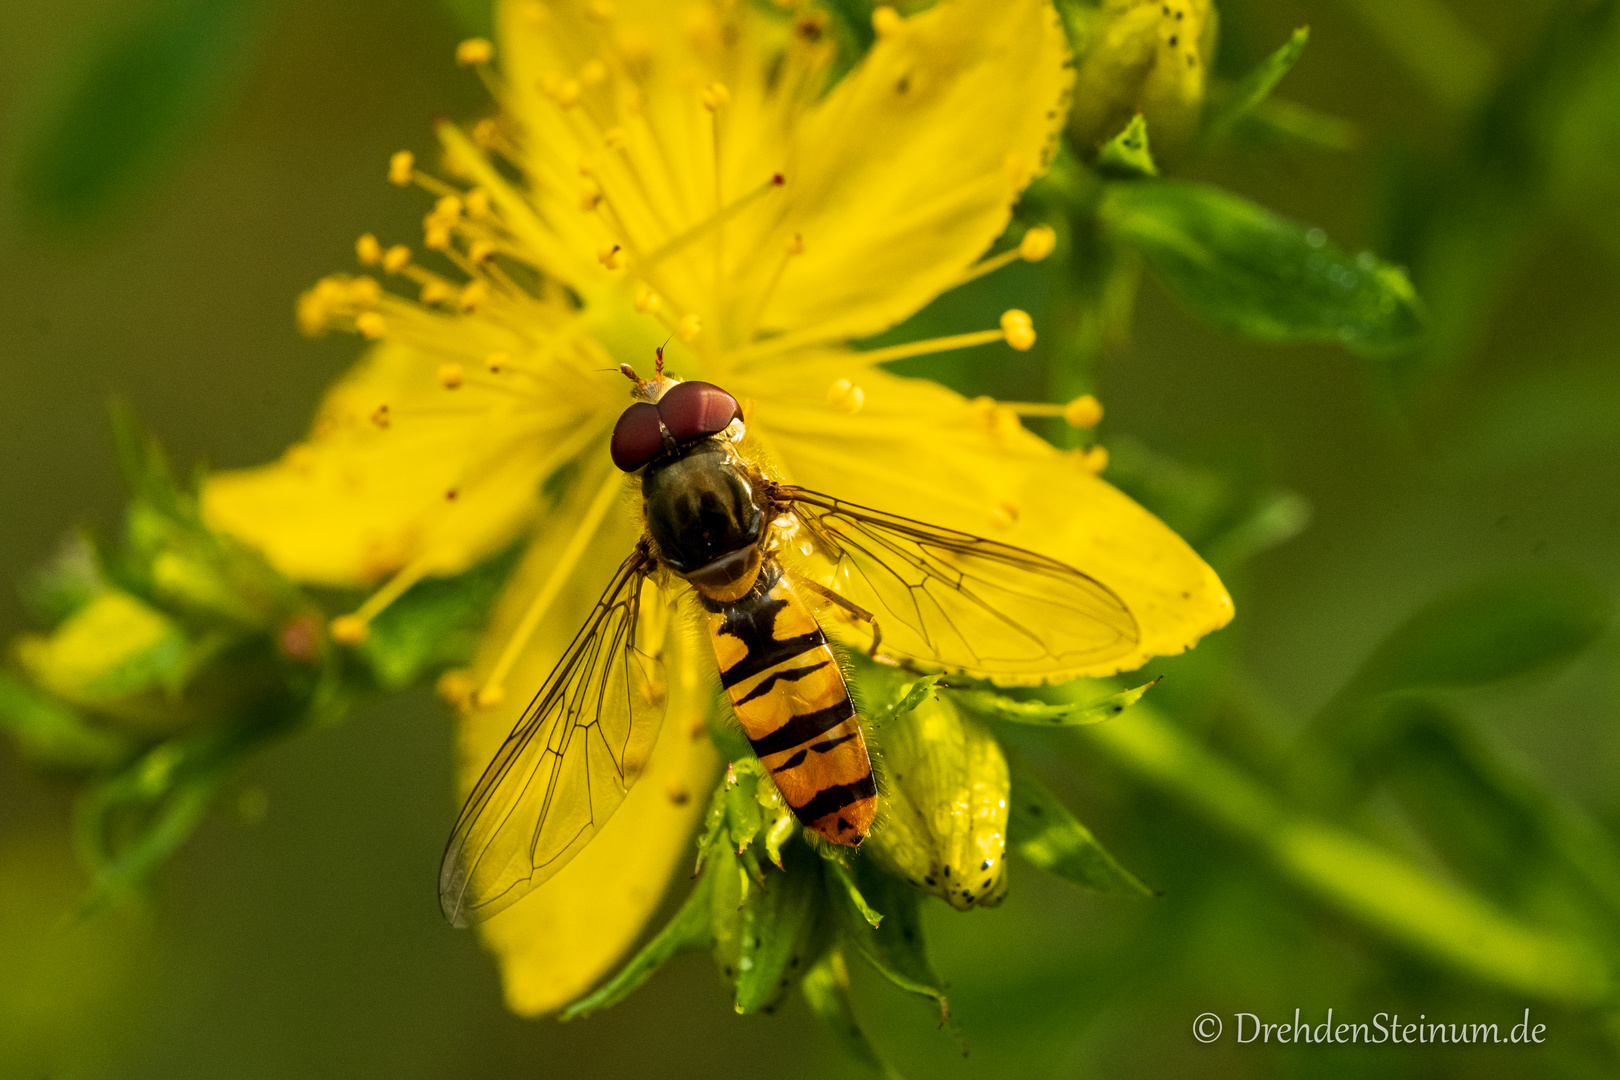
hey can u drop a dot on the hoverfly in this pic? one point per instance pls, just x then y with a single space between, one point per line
761 558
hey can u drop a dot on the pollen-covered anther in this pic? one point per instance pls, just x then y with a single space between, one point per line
715 96
437 292
1037 243
1093 459
1018 329
451 375
488 697
590 195
647 301
401 167
362 292
486 133
846 397
480 250
610 256
689 327
396 258
474 51
565 92
371 325
1084 411
381 416
474 295
368 250
497 362
449 208
435 233
886 21
594 73
477 203
349 629
456 687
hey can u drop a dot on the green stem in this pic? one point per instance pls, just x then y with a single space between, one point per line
1382 890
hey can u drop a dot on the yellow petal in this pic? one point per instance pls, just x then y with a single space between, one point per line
400 470
556 943
923 451
905 173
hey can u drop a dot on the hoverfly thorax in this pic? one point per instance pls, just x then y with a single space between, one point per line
703 510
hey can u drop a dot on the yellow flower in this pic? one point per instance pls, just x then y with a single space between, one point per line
662 172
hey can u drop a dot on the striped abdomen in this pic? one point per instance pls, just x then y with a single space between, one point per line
789 695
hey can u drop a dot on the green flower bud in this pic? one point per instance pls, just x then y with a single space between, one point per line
112 649
944 823
1140 56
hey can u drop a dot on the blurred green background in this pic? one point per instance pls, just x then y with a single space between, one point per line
299 935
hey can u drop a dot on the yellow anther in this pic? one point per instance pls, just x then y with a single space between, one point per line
455 687
534 13
610 256
1093 459
1018 329
497 361
437 292
886 21
435 234
846 397
370 324
331 290
715 96
615 138
480 250
600 10
448 207
477 203
349 629
474 51
795 244
594 73
363 291
488 697
474 294
300 458
565 93
647 301
689 328
486 133
590 194
400 168
396 258
381 417
368 250
1084 411
1006 514
1037 244
450 375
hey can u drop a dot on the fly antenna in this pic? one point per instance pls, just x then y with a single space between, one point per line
630 373
659 353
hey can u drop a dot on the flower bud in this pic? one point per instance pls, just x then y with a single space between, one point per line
945 824
1141 56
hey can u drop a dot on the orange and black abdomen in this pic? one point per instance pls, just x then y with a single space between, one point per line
789 695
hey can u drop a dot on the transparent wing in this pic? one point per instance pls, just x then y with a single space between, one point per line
568 764
952 600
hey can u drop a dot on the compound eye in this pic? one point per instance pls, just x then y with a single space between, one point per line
692 410
636 437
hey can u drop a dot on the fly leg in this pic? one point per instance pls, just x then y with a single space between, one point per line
857 612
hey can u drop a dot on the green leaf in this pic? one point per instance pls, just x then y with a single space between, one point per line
686 931
1254 88
915 694
132 104
779 922
896 948
1064 714
826 990
1242 267
436 624
1041 829
53 735
1506 625
1278 122
1126 155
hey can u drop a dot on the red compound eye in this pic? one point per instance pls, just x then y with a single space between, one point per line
636 437
692 410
